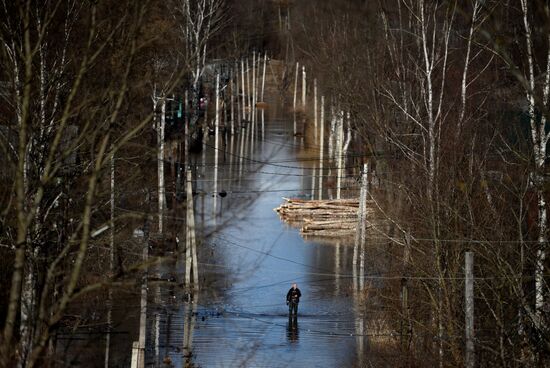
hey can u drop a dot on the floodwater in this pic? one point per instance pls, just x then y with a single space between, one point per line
247 263
239 318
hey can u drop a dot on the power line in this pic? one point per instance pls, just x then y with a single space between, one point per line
367 277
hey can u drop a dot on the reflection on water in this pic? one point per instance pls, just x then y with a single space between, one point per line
249 257
292 329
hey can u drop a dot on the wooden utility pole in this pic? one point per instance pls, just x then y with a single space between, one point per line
231 98
138 347
363 211
295 89
263 78
237 94
243 88
339 148
111 263
361 216
321 146
135 355
187 131
405 320
303 86
280 20
112 219
469 312
190 242
315 107
253 105
313 181
248 89
216 145
332 134
160 159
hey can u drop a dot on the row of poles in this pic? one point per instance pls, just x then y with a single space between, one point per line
245 91
339 129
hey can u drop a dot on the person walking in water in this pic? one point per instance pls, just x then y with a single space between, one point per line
292 299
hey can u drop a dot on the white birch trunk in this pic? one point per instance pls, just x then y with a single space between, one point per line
540 141
464 84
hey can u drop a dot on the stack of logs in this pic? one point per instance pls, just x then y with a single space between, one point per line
330 218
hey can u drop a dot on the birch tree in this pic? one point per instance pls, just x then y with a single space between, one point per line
198 21
62 104
537 95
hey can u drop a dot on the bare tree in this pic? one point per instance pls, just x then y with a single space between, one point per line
66 110
539 140
198 21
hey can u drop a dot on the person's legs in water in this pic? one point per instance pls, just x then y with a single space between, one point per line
293 308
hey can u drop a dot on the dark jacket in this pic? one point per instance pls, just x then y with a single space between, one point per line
293 295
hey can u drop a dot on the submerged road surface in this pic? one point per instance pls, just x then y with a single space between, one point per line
248 262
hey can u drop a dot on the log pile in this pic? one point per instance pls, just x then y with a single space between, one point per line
331 218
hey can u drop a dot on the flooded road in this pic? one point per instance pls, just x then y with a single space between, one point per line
240 317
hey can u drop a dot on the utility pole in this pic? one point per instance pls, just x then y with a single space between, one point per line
248 89
216 144
295 89
339 147
363 224
360 214
263 78
190 242
138 347
244 89
111 262
253 105
239 120
315 107
321 146
303 86
160 159
405 320
187 131
469 312
231 98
